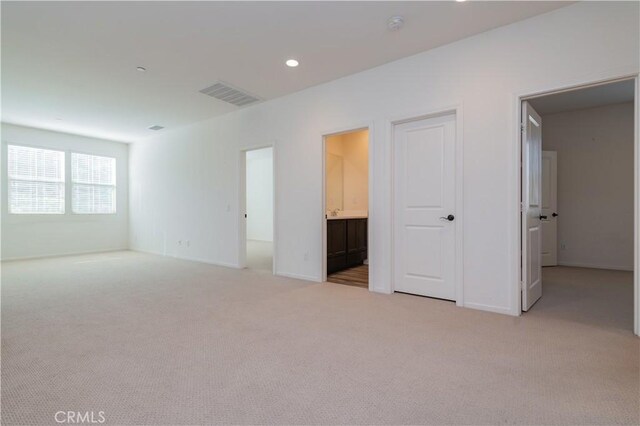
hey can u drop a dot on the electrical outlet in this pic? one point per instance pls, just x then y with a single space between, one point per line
563 246
179 242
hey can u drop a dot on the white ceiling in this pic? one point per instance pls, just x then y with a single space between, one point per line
71 66
590 97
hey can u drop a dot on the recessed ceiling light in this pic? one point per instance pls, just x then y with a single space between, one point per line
460 1
395 23
292 63
141 69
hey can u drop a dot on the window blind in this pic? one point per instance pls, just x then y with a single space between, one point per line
35 180
94 184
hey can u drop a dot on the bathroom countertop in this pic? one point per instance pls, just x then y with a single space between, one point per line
347 217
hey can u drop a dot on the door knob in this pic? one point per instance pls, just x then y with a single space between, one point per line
543 217
554 214
449 218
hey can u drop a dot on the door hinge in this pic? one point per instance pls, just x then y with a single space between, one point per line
522 127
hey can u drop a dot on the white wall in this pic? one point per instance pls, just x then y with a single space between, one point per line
260 194
595 184
185 182
25 236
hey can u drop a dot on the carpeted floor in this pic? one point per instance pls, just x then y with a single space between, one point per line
153 340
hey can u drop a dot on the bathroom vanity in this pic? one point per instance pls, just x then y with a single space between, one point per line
346 242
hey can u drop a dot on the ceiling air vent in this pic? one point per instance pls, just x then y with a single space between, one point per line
156 127
229 94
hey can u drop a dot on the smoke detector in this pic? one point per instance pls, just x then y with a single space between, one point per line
395 23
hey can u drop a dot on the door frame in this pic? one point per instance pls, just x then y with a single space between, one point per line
242 203
456 110
516 187
335 132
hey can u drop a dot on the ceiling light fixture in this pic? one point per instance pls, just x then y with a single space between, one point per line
292 63
141 69
395 23
460 1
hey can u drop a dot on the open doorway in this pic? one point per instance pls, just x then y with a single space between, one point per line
578 198
346 207
259 209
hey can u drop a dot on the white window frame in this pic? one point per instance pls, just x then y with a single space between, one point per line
75 183
61 183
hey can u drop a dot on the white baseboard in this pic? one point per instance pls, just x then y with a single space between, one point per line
596 266
298 276
78 253
489 308
191 259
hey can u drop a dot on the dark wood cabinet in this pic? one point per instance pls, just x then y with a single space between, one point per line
346 243
336 245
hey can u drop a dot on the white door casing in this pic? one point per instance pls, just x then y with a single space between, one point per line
424 206
549 208
531 206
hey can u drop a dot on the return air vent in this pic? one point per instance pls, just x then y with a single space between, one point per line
229 94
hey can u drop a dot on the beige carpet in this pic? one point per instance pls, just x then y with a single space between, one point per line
152 340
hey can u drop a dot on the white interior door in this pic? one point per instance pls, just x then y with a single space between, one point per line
424 207
531 206
549 208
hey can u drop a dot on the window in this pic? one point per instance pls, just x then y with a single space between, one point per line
94 184
36 180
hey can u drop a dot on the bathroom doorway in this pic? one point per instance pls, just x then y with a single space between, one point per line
346 207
